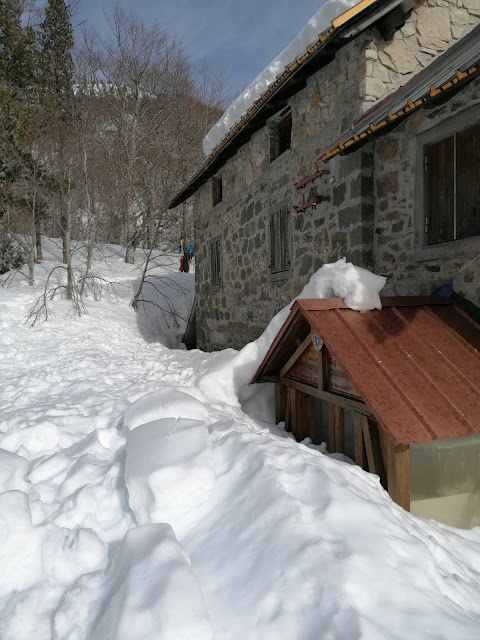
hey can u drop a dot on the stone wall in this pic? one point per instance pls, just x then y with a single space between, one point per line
398 242
433 26
253 187
237 311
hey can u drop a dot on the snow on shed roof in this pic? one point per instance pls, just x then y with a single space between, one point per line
415 362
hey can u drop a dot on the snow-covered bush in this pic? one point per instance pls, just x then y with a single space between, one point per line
11 255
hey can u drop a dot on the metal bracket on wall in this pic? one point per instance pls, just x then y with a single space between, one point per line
314 198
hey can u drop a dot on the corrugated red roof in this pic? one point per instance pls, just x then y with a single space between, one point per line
416 362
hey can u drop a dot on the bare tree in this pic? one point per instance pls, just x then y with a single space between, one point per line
116 141
139 64
191 110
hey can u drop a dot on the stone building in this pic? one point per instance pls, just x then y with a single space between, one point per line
279 196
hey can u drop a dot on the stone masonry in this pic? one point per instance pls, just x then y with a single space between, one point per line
238 310
397 238
433 26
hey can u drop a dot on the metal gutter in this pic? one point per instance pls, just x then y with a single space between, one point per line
456 67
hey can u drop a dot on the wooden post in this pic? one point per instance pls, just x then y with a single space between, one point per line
299 430
339 429
303 425
383 446
331 428
293 411
288 411
360 457
280 402
336 429
322 375
399 474
373 449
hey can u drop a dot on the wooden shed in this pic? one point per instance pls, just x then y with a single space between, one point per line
397 390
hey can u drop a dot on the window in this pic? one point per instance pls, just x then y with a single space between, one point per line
217 190
215 262
280 133
452 186
280 240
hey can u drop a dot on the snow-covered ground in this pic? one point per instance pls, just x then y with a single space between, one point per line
138 501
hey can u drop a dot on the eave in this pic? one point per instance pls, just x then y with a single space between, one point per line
447 75
343 29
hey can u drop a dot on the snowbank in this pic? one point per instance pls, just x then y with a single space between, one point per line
169 471
247 534
316 25
32 556
151 592
360 290
13 471
166 403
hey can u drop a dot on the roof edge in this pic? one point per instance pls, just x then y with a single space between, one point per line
304 305
381 123
339 26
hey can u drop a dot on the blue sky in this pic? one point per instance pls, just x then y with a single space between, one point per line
238 37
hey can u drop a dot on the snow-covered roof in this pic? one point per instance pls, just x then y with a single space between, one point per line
340 21
317 24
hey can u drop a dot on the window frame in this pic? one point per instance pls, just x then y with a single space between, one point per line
274 129
217 190
216 282
446 128
283 274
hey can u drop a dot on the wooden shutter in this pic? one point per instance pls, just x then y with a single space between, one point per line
468 182
439 224
274 242
285 133
274 141
285 238
212 262
219 268
215 262
280 240
217 191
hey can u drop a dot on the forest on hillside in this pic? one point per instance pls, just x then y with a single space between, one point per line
97 133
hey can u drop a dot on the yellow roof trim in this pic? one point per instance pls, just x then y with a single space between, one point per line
326 34
347 15
410 106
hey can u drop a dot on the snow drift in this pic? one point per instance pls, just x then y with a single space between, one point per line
138 500
360 290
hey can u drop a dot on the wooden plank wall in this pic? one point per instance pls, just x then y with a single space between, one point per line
374 450
399 474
